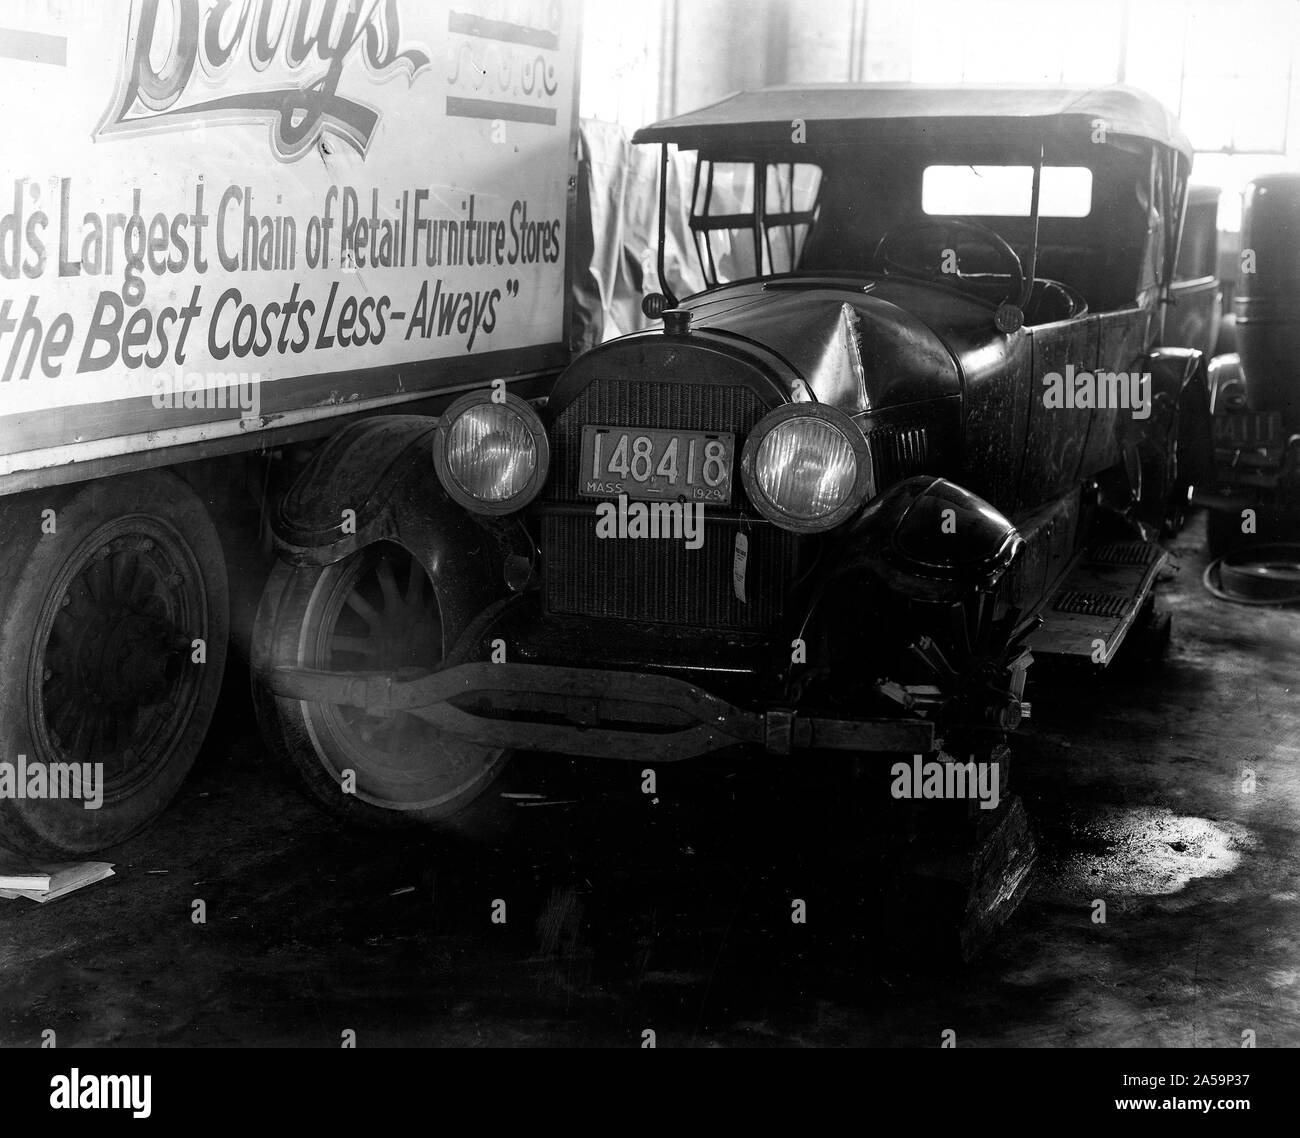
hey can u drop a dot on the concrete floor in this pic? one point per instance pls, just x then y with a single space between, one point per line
624 915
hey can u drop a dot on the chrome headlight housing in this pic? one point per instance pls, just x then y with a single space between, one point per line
807 467
491 455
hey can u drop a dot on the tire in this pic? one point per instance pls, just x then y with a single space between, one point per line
375 610
97 621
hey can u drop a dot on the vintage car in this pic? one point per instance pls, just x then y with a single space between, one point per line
923 415
1254 499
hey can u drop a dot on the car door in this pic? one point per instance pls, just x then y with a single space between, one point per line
1122 340
1057 438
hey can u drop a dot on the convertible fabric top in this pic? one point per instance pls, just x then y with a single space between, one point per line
841 109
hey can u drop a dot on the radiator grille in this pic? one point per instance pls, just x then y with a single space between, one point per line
660 581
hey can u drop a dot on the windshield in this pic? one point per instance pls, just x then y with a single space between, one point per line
751 219
755 216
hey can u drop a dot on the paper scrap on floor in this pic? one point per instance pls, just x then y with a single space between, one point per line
47 880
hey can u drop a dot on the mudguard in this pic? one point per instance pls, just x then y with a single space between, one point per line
1227 384
1180 392
375 481
931 539
908 603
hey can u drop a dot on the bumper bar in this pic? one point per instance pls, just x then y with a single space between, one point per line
606 714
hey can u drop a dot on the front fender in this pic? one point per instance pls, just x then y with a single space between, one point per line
1227 384
1180 416
930 539
375 481
908 591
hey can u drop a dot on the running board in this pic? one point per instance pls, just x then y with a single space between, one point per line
1098 601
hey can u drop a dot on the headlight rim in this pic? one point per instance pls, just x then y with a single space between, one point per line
863 487
536 430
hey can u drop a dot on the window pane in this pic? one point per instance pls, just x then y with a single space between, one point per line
792 187
733 253
733 188
1006 191
1260 104
1208 115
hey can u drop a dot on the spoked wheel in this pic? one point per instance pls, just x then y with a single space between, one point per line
374 611
110 692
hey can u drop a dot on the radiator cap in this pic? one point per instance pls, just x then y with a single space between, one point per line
677 321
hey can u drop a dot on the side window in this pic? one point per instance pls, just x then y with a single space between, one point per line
752 219
1197 253
1152 197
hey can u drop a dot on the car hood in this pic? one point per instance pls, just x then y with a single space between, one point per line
858 343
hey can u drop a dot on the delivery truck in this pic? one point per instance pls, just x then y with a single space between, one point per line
230 232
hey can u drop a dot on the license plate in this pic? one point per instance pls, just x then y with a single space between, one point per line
1241 430
651 464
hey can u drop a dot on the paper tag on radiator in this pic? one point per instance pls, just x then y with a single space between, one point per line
738 566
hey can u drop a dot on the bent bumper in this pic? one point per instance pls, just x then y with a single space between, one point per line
594 713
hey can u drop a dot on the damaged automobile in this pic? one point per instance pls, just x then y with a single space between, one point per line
921 429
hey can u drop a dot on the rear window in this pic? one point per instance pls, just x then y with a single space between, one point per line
1005 191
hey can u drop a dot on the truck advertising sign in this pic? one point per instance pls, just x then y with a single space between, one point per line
222 215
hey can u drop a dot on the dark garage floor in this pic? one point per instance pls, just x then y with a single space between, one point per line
623 914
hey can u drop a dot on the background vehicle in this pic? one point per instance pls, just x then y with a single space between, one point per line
222 239
897 511
1195 317
1255 392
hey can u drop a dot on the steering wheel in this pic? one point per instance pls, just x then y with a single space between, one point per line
888 261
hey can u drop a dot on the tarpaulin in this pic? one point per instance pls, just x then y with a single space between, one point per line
617 234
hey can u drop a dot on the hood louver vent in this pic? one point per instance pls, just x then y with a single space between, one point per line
898 453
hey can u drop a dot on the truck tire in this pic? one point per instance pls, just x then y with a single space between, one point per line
105 588
375 610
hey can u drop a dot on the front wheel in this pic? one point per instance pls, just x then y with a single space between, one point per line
376 610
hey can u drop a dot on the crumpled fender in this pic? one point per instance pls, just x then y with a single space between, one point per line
930 539
382 470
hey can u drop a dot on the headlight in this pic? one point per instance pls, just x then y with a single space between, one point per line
807 467
491 457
